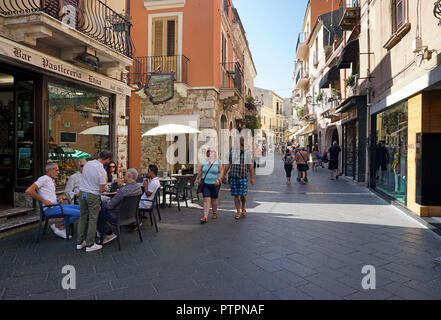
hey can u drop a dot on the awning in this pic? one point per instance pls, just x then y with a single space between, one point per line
349 54
333 74
301 130
186 120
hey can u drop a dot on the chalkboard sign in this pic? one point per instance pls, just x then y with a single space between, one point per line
68 137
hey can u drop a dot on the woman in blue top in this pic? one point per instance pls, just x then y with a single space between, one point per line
212 180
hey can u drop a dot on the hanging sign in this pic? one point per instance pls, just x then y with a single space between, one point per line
160 87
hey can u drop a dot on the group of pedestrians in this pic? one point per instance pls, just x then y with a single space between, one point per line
300 156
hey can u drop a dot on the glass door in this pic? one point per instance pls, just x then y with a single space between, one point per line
24 97
7 123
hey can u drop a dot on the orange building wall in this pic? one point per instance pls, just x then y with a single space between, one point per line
201 43
319 7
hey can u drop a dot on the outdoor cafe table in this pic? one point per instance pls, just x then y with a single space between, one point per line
163 182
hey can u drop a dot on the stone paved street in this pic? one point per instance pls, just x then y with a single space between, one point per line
298 242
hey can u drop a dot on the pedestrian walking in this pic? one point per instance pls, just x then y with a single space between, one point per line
288 160
213 173
315 158
91 186
334 152
302 165
241 166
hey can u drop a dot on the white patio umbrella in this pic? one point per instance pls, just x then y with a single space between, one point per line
97 130
171 130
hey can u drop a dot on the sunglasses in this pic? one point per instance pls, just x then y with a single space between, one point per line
111 166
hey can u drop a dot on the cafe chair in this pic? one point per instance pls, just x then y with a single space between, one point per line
45 218
154 203
190 187
178 191
129 215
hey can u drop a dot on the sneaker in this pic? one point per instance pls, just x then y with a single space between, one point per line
108 238
94 247
58 232
81 246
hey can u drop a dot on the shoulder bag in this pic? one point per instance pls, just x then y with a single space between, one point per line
201 185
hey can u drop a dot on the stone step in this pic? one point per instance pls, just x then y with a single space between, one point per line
14 212
19 221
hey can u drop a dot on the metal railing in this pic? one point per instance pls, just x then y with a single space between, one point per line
349 3
144 66
91 17
231 75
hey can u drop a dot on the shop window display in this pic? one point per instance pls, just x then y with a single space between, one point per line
391 152
78 127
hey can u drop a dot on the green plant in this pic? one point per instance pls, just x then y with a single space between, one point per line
319 96
336 92
250 99
350 81
300 111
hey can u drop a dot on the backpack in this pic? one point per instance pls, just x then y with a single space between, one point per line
288 159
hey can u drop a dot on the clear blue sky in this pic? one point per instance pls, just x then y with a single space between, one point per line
272 28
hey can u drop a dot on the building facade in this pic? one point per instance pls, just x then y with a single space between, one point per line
204 44
62 89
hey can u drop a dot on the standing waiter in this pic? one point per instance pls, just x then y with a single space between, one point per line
91 186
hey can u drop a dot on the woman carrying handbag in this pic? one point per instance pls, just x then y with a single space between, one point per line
212 170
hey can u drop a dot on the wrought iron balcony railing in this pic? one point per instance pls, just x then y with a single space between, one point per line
144 66
231 76
91 17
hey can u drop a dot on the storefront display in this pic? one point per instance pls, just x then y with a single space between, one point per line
78 127
391 152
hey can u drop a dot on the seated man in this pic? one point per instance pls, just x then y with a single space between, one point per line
47 196
151 184
72 190
110 209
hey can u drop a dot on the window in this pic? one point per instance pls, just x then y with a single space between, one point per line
165 40
224 49
399 9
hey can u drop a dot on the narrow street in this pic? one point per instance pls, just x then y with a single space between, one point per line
298 242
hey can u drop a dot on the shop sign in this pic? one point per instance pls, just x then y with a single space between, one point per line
160 87
33 57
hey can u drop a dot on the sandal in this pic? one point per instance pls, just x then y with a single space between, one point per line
244 213
237 217
204 220
214 215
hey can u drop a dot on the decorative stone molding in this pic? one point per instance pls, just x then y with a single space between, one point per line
397 36
163 4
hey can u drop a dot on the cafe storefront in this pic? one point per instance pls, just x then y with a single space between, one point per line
53 111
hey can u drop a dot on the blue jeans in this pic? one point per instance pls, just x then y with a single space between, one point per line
71 210
104 216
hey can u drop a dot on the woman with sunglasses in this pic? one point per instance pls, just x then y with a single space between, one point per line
212 172
112 172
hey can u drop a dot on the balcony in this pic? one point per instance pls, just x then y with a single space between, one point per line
351 14
144 66
302 79
71 26
302 47
231 83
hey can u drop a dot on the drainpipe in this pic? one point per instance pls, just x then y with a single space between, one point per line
368 102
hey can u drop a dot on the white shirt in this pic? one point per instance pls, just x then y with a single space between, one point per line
93 176
154 184
72 186
46 188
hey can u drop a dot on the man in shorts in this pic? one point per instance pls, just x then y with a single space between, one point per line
241 165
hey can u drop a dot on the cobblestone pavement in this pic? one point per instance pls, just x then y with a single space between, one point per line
298 242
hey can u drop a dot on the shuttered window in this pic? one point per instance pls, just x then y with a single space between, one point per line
165 37
400 13
224 49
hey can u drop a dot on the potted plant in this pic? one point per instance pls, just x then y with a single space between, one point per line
319 97
336 93
350 81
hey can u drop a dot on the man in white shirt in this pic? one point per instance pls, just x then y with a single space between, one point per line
91 186
151 185
72 190
47 196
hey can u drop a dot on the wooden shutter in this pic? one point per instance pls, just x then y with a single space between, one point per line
158 38
171 38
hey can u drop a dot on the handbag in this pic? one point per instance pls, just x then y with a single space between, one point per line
201 185
307 165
